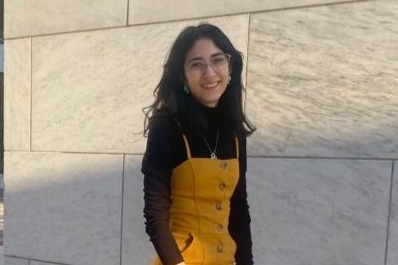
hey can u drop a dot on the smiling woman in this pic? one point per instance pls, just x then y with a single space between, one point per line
194 165
206 81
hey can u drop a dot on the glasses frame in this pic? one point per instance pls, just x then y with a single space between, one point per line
208 64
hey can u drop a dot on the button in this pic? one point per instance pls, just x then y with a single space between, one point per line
222 186
220 227
220 249
223 165
219 206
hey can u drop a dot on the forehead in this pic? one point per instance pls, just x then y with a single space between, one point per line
203 48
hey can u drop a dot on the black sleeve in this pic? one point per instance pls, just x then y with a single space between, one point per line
157 165
239 219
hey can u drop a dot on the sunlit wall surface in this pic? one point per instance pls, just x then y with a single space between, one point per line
321 87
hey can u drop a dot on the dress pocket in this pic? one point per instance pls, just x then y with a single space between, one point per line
191 248
156 261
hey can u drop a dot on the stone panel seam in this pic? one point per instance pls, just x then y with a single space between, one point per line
30 260
252 12
31 93
347 2
324 157
78 153
128 12
192 18
389 213
66 32
247 59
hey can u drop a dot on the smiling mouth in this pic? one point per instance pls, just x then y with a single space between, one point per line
212 85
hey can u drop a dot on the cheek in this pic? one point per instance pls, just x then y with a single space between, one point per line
190 80
226 76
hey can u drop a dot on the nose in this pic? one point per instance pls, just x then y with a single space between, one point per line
208 71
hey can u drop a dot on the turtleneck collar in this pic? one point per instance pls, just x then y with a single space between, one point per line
211 115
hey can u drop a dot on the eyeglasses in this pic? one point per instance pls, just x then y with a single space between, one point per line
218 62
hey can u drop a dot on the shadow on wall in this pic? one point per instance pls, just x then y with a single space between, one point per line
320 189
87 209
75 209
322 211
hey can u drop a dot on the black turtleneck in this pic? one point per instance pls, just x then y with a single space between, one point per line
165 150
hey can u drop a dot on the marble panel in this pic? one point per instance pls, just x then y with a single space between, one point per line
319 211
322 81
15 261
17 92
392 252
36 17
136 247
143 11
89 88
63 208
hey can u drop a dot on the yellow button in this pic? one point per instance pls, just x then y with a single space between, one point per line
222 186
219 206
223 165
220 227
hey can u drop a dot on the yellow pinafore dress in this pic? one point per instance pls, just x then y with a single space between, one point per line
201 189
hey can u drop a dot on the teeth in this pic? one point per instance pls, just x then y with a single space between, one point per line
211 85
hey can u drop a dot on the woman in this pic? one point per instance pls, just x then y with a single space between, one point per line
194 166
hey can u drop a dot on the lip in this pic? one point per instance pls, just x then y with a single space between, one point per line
211 85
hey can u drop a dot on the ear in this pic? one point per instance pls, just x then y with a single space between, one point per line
186 89
184 81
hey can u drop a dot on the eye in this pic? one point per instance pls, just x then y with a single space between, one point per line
220 60
196 65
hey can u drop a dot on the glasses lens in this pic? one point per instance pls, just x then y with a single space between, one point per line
220 61
196 66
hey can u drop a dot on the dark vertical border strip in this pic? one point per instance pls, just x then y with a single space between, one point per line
389 213
122 212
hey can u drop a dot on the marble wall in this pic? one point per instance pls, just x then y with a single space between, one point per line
321 88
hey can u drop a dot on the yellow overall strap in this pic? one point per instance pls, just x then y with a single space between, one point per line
187 146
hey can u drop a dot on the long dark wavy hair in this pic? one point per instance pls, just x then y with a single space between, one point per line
171 99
